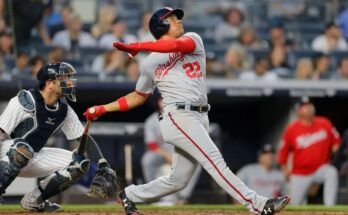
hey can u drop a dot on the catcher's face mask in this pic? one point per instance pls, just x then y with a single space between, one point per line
66 80
63 73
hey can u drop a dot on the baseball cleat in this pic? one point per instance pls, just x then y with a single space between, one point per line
129 206
275 205
46 206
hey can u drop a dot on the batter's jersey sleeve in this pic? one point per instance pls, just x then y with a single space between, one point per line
285 146
145 83
199 49
72 127
12 116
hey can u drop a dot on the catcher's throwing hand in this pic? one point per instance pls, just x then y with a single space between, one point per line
95 112
105 182
132 49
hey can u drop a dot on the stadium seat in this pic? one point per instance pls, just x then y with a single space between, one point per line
9 62
253 54
295 55
88 54
336 57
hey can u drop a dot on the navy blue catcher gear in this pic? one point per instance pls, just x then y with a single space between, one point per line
63 72
158 24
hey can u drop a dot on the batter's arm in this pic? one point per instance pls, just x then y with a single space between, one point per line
133 99
182 44
125 103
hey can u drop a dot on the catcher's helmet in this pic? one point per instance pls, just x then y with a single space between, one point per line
63 72
158 24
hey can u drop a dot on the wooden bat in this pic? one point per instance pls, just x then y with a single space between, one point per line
128 163
82 146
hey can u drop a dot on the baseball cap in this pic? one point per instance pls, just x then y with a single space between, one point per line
7 32
319 54
332 23
276 23
166 11
45 74
266 148
118 20
303 101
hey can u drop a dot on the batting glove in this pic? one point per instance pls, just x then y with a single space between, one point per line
94 112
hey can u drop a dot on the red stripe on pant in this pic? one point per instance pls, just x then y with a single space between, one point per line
211 162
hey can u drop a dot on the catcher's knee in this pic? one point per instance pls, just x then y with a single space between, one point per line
62 179
20 153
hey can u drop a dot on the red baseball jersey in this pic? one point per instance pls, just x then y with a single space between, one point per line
311 145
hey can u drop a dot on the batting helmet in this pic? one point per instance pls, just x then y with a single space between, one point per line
158 24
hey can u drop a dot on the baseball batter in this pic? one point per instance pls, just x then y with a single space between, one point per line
27 122
177 67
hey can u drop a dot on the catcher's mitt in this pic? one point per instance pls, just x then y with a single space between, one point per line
105 182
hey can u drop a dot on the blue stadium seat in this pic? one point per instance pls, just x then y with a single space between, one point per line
9 62
88 54
42 50
54 29
336 57
218 49
295 55
253 54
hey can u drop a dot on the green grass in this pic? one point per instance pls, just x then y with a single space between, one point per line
110 208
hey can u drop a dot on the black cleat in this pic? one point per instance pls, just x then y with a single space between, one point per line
129 206
48 207
275 205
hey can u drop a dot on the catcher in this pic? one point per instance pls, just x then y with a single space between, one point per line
28 121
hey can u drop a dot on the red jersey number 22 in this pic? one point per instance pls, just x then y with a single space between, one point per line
192 70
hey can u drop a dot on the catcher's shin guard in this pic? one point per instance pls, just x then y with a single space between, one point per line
19 155
55 183
62 179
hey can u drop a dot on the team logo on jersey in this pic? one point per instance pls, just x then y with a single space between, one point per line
307 140
50 121
163 69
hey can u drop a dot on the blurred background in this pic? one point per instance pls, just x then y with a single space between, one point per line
262 56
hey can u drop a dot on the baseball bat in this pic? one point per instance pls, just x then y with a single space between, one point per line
83 141
128 163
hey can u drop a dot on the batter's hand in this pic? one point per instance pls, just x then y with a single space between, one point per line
131 49
95 112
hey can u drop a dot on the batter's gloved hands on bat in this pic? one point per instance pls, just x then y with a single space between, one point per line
132 49
95 112
105 183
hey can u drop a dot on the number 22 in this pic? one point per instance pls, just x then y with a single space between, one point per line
192 70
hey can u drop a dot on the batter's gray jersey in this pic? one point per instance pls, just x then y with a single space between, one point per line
270 184
14 114
180 77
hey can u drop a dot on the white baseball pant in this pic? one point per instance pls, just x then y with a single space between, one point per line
300 184
45 162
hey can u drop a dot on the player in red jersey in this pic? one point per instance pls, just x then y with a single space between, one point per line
312 140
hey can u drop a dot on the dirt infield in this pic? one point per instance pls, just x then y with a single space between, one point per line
217 212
